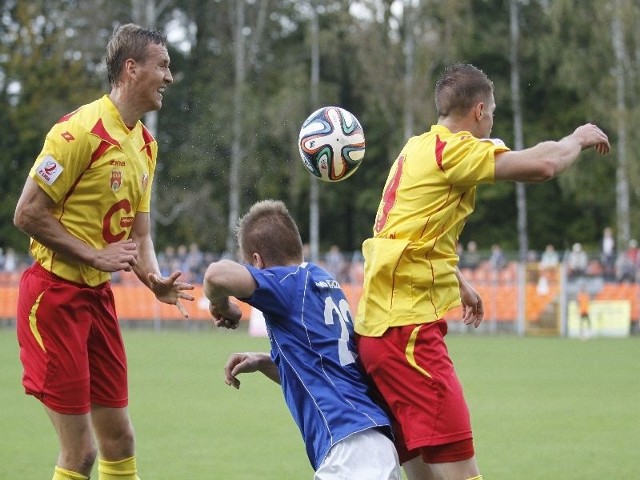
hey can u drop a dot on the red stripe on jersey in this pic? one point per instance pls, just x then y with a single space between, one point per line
389 195
439 149
99 130
148 139
66 117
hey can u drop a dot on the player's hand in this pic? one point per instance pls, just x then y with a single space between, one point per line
117 256
472 306
226 316
240 363
590 135
170 290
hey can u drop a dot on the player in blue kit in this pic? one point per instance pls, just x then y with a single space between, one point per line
347 435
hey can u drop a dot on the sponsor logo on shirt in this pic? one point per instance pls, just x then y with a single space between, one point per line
145 181
328 284
116 180
67 136
49 170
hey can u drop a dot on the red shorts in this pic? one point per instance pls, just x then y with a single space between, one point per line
411 369
71 346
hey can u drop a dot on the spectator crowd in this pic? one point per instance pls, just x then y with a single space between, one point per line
608 263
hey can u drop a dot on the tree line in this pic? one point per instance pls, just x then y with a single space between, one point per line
245 80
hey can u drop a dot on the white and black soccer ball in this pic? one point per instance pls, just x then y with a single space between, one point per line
331 144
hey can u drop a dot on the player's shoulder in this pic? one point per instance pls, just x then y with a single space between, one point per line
85 115
74 125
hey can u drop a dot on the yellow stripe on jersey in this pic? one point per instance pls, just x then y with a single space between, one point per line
99 174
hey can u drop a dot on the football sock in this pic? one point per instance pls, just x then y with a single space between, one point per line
63 474
119 470
479 477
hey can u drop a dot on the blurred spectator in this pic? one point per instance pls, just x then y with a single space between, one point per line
577 261
356 268
10 260
193 262
628 263
497 260
181 258
471 257
335 264
608 254
585 319
166 260
542 286
549 258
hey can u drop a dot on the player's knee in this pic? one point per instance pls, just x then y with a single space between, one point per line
120 444
79 460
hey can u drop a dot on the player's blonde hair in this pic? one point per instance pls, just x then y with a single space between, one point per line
129 41
268 229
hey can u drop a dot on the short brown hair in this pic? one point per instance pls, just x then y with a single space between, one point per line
460 87
129 41
268 229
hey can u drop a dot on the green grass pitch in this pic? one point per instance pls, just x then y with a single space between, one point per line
542 408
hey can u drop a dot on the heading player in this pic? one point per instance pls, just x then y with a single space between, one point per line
312 346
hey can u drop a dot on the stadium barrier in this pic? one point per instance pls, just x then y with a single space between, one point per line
136 302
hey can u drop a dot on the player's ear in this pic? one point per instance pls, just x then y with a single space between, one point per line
256 260
130 67
479 111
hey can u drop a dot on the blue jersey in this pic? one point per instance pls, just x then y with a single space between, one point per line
312 343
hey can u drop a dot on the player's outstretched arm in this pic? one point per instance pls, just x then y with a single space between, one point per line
249 362
548 159
222 280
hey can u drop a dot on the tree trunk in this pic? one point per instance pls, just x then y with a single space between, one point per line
236 146
314 193
622 184
521 193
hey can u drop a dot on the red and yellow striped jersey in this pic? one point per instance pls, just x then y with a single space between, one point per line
410 261
99 173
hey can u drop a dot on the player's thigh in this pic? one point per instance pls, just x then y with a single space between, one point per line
368 455
74 434
106 352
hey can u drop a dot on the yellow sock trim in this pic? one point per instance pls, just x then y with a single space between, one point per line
479 477
63 474
119 470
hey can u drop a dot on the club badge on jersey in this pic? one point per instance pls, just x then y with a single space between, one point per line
116 180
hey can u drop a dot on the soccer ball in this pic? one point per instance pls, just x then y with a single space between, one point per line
331 144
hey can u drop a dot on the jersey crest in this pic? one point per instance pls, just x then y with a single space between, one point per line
116 180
